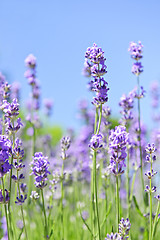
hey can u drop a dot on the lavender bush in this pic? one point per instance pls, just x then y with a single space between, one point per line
99 183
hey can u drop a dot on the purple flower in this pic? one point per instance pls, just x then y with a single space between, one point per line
150 174
17 152
48 103
95 55
124 227
10 109
95 62
136 50
40 169
137 68
34 195
30 61
21 199
126 103
152 190
96 142
65 143
118 140
13 128
141 94
21 176
150 150
15 89
30 74
113 236
101 89
23 187
5 151
4 198
157 197
86 71
155 93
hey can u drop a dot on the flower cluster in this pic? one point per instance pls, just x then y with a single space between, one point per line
136 50
150 157
113 236
136 53
127 103
96 142
137 68
118 140
65 144
11 111
95 67
5 152
15 90
30 74
48 103
124 227
4 88
4 197
39 167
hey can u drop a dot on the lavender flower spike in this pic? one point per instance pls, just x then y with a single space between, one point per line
40 169
117 147
113 236
124 227
136 50
96 142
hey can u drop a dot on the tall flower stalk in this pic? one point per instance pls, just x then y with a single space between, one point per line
150 150
137 68
18 154
95 67
127 103
34 104
65 144
118 141
39 167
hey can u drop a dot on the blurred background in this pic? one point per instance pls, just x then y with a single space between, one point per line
58 34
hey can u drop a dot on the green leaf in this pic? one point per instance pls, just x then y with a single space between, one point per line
137 207
51 233
20 234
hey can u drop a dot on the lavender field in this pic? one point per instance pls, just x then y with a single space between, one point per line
99 182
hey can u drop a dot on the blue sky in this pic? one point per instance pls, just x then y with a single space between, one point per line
58 34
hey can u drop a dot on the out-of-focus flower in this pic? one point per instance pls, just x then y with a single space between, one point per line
136 50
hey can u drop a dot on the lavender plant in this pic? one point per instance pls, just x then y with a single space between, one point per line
87 186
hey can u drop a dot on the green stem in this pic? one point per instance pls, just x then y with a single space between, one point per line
25 229
100 119
150 201
93 214
96 119
132 187
155 220
10 182
117 197
96 195
5 208
32 152
92 205
139 126
62 196
45 217
127 185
